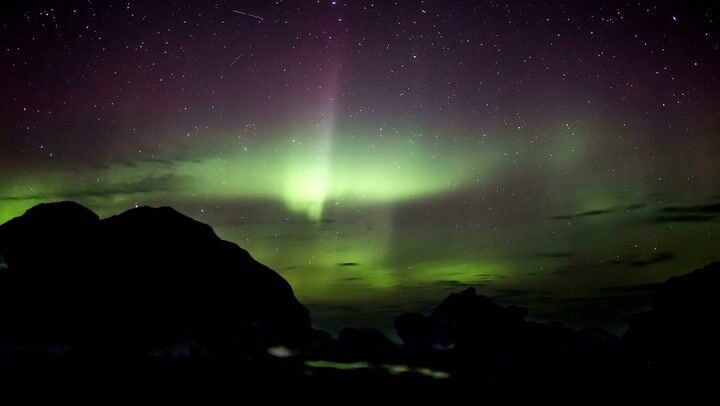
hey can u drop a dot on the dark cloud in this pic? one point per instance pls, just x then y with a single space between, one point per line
639 263
566 270
635 263
572 268
631 289
553 255
599 266
713 208
289 237
655 259
512 293
443 285
682 218
169 161
590 213
453 284
687 214
163 183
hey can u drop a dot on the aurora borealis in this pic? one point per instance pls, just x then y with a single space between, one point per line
379 155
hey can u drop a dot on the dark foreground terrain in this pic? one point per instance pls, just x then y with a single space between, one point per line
153 296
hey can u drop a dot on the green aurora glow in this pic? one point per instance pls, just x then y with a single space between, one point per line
368 220
299 171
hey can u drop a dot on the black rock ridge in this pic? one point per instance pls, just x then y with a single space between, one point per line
136 282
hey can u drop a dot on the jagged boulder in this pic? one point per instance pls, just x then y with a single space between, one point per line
474 330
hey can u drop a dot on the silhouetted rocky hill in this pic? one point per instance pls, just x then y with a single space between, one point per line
135 283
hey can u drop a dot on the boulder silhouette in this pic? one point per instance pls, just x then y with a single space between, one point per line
473 330
136 282
682 327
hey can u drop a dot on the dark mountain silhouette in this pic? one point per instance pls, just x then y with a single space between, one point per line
136 282
682 327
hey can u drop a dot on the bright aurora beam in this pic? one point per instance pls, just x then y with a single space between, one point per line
306 188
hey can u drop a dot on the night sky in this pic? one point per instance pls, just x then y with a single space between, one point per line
380 155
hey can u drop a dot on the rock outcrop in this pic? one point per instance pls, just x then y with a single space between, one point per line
136 282
473 330
682 327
